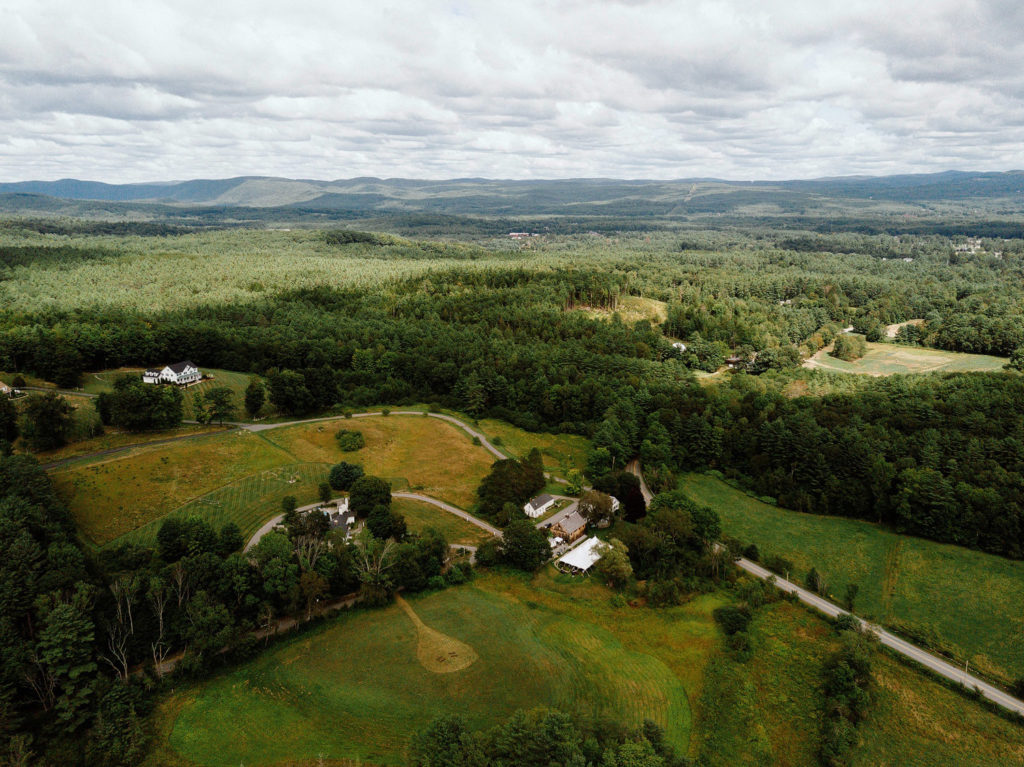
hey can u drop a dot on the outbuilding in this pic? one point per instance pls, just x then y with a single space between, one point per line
583 557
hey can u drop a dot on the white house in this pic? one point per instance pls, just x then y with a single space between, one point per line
341 518
180 373
537 506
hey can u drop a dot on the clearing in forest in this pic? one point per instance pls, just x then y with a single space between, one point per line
889 359
968 600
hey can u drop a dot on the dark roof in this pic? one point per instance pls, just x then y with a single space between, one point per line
570 523
540 500
179 367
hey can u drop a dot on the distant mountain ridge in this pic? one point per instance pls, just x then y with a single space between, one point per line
512 196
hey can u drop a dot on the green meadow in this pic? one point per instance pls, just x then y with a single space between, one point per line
968 600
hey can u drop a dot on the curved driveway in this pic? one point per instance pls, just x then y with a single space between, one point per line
893 642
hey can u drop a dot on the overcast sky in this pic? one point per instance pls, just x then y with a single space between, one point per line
142 90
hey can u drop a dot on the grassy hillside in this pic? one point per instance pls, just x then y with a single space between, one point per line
969 600
241 476
419 516
343 692
414 452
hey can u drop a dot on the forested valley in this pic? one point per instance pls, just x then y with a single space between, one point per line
681 347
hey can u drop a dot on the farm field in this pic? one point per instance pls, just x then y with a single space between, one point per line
342 692
768 710
241 476
415 453
419 516
558 450
968 599
117 439
889 359
112 496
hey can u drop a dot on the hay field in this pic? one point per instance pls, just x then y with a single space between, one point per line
417 453
971 600
419 516
113 496
356 688
558 450
889 359
768 710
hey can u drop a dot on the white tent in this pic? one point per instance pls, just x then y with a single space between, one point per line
583 557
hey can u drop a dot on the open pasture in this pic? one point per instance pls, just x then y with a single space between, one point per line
632 309
110 497
969 599
357 688
419 516
558 450
890 359
768 710
248 502
417 453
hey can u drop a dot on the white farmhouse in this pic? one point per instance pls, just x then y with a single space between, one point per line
537 506
180 373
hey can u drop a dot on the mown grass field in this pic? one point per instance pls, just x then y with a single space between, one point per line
969 599
356 689
113 496
417 453
768 710
248 502
419 516
889 359
241 477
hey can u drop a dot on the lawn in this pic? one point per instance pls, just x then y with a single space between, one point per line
417 453
355 688
116 495
969 599
888 359
560 451
419 516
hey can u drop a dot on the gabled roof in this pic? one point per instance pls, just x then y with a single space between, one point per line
540 500
179 367
571 522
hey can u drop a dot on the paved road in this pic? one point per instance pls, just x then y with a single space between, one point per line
905 648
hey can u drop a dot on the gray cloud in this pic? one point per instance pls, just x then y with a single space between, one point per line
662 89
